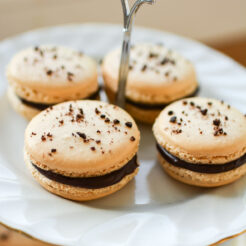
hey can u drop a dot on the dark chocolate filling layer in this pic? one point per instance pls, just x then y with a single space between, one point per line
201 168
96 182
43 106
157 106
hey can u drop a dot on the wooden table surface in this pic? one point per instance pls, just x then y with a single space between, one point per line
12 238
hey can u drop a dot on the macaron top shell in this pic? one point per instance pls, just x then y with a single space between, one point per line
202 130
52 73
82 138
156 74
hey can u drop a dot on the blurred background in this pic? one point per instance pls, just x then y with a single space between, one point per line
220 24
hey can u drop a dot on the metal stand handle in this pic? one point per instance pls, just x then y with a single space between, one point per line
125 53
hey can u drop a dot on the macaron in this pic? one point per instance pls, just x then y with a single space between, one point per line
202 142
157 77
42 76
82 150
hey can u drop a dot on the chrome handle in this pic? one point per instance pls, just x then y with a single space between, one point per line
125 52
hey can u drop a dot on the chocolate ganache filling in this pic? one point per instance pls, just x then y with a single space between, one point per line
157 106
43 106
201 168
96 182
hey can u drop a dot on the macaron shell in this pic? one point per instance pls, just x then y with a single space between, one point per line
24 110
152 85
108 150
142 115
202 179
76 193
52 74
195 140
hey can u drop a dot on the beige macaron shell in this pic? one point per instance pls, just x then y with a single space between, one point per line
197 143
202 179
74 157
21 108
77 193
149 85
144 115
73 76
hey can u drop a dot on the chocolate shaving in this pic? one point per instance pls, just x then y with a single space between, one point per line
204 111
82 135
49 72
144 68
173 119
116 121
128 124
216 122
97 111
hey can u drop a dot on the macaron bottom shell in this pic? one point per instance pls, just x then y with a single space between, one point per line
144 115
26 111
202 179
77 193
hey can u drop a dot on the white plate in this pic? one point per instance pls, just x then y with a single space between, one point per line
153 209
